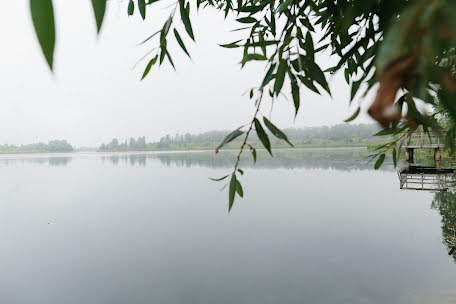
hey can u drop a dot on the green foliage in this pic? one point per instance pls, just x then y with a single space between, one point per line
379 161
53 146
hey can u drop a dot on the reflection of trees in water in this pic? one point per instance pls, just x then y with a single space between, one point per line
445 202
338 159
129 159
54 161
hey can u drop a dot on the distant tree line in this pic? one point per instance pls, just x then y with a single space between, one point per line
338 135
138 144
51 146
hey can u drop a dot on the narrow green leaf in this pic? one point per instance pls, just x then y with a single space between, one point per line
231 45
354 115
219 179
162 55
379 161
142 8
347 76
186 19
384 132
269 76
394 157
318 75
241 171
232 191
254 155
354 88
280 77
230 137
239 189
276 131
308 83
131 7
43 20
149 65
251 9
165 29
99 8
168 55
250 57
310 50
295 92
262 136
181 43
247 20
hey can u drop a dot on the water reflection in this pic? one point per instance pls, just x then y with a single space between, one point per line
445 203
426 178
335 159
53 161
442 182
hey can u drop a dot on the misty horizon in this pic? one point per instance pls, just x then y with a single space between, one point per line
221 132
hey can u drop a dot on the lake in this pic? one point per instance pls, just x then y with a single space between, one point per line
315 226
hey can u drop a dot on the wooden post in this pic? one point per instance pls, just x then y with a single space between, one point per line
409 155
437 157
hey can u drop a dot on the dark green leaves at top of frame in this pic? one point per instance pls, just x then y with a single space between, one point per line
99 8
276 131
43 20
184 12
149 66
280 76
142 8
379 161
284 6
262 135
181 42
131 8
230 137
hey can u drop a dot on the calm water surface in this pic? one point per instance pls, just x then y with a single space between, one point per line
315 226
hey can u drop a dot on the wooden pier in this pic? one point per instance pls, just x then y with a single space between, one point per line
423 140
415 177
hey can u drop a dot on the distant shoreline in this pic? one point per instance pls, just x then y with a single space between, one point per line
179 150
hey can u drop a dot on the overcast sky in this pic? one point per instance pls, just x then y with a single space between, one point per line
95 94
